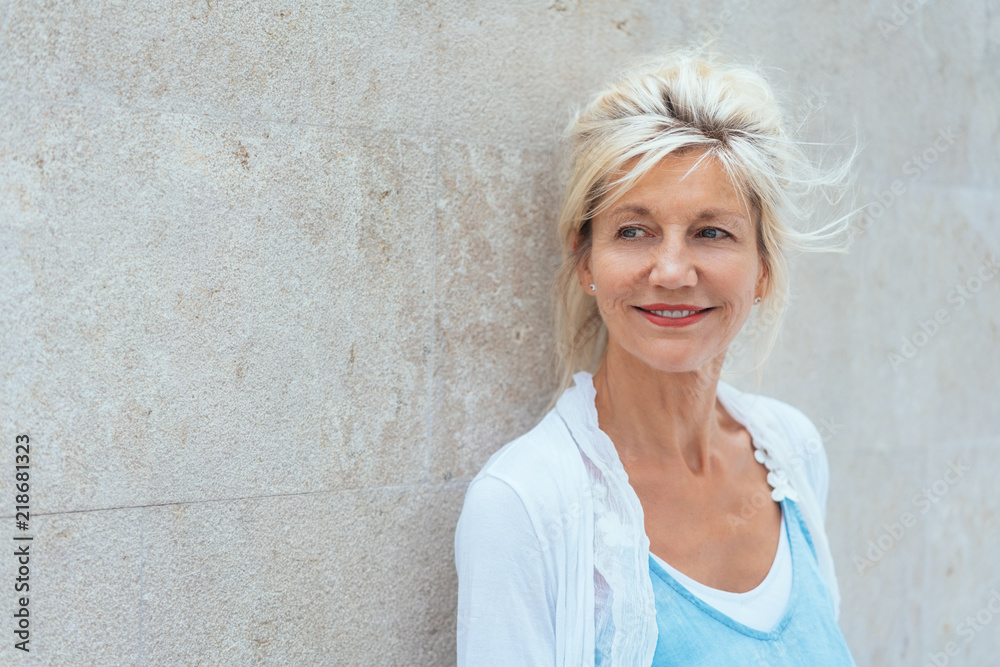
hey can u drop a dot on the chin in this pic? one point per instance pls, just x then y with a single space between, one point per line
679 360
680 367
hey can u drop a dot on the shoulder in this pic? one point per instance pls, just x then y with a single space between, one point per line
804 442
807 449
537 467
530 492
798 428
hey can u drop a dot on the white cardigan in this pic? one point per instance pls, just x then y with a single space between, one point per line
551 549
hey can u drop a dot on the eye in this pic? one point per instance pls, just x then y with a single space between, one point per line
631 232
713 233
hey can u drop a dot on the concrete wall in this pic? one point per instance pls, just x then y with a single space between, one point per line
275 283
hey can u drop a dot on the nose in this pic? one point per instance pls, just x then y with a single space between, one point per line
673 264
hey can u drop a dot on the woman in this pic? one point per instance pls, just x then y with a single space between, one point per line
659 516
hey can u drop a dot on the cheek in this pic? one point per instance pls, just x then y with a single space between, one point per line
742 277
616 271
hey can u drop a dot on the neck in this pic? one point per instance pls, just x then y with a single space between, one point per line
660 418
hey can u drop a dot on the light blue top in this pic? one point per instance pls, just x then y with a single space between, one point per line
691 632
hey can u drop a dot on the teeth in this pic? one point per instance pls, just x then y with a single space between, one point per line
674 313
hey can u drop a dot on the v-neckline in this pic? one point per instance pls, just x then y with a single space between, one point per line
727 620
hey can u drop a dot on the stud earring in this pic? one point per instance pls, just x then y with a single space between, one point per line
757 300
593 287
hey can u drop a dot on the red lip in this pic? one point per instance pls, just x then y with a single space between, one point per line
670 306
673 322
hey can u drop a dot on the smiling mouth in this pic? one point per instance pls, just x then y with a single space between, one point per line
675 314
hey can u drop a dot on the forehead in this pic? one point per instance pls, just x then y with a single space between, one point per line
691 183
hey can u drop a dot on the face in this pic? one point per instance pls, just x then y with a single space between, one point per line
675 265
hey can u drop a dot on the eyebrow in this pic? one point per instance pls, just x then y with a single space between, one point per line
636 209
706 215
722 213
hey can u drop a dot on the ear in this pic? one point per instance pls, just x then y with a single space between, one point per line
583 273
763 286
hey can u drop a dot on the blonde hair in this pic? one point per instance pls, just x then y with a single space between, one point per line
680 103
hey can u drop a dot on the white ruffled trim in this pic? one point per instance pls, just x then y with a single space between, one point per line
776 477
625 625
